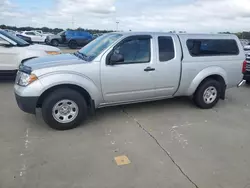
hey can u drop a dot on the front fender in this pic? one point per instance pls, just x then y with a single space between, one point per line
56 79
214 70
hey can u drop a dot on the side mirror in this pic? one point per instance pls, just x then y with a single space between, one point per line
116 58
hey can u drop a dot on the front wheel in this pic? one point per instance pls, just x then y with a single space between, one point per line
64 109
55 43
208 94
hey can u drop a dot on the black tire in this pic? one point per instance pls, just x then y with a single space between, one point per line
248 82
55 42
62 94
73 44
198 96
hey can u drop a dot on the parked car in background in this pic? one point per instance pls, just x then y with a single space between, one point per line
11 31
122 68
247 48
27 39
244 42
14 50
73 39
42 33
246 69
57 39
97 35
76 39
35 36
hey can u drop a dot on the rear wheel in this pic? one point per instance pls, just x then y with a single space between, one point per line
73 44
64 109
54 42
208 94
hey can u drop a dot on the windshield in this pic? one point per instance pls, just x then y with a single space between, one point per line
19 41
61 33
96 47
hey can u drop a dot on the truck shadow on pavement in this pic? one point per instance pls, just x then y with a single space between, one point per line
109 112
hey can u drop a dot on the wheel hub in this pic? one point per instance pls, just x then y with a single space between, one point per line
65 111
210 94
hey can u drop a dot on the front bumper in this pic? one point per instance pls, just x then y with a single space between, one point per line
27 104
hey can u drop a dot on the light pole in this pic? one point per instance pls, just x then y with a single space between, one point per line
73 22
117 26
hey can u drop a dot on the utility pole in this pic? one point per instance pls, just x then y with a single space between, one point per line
117 26
72 22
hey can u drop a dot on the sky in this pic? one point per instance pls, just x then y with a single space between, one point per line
136 15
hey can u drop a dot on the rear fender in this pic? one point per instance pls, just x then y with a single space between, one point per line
214 70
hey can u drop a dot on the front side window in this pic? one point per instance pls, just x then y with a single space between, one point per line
134 50
166 48
212 47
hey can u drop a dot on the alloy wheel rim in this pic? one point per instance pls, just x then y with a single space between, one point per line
65 111
210 94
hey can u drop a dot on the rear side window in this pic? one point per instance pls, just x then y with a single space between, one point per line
166 48
212 47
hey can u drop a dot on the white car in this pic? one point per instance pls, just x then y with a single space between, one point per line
43 33
35 36
14 51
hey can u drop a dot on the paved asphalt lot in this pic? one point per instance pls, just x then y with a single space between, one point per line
170 144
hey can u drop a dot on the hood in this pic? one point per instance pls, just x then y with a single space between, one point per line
53 61
42 47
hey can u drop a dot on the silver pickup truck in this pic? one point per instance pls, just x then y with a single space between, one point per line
122 68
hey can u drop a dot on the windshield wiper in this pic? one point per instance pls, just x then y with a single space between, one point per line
84 55
77 55
81 55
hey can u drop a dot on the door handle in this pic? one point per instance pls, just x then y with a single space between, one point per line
149 69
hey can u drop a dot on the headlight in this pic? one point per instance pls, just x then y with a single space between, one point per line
52 52
24 79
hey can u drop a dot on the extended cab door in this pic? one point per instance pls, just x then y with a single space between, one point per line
167 72
129 80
